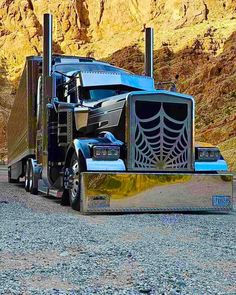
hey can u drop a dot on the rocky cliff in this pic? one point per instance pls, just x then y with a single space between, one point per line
195 45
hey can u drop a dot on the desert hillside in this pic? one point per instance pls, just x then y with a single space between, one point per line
195 45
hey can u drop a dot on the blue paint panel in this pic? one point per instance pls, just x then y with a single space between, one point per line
219 165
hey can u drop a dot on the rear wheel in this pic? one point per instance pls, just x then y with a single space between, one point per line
27 182
32 185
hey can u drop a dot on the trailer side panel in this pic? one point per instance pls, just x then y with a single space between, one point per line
22 121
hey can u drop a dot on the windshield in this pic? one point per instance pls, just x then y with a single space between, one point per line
89 67
97 93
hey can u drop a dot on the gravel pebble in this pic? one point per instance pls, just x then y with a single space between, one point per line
49 249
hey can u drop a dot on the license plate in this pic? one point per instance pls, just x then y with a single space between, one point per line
97 202
220 201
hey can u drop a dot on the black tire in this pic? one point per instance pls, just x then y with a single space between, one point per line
74 192
33 187
27 177
72 195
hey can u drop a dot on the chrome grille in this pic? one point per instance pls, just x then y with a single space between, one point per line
160 133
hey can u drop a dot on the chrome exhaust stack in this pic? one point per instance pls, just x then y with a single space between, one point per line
47 90
47 58
149 46
47 73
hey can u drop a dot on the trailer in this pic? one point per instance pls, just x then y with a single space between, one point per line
106 140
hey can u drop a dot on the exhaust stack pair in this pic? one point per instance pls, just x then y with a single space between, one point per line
47 52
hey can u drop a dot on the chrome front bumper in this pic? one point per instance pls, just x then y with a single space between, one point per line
143 192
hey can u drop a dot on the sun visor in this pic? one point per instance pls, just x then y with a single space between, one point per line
104 79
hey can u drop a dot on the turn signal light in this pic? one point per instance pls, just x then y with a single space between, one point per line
208 154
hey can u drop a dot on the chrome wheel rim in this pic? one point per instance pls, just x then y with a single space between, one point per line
26 181
30 177
27 176
75 185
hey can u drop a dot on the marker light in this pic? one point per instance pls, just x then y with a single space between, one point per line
105 152
208 154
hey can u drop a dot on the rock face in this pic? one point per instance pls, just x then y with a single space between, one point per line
6 100
195 45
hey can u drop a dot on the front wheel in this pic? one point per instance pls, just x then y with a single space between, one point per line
27 181
72 193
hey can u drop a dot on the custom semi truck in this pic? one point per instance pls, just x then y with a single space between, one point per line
106 140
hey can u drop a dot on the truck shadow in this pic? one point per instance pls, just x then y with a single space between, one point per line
21 186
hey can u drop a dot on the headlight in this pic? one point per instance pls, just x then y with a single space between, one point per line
208 154
105 152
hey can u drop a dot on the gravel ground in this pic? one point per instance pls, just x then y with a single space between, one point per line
49 249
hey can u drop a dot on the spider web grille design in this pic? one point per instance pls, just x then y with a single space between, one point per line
161 138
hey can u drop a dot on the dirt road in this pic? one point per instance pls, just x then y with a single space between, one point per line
49 249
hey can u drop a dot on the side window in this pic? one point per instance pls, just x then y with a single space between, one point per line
72 91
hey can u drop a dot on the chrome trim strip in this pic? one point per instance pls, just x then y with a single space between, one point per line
134 210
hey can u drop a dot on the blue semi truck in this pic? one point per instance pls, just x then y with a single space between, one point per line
106 140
